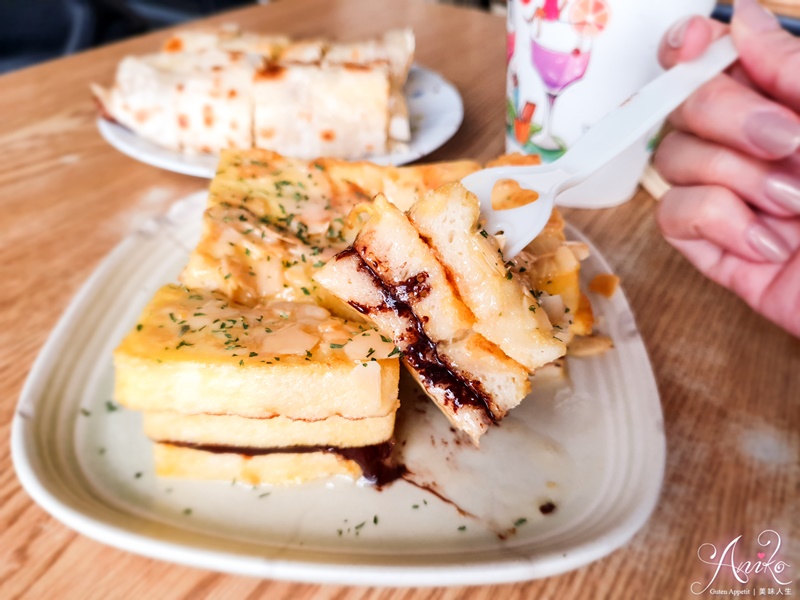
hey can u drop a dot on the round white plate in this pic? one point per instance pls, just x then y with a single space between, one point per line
593 447
435 112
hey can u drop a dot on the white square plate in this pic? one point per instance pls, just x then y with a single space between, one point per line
593 448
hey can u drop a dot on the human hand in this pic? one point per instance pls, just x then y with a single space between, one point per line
734 210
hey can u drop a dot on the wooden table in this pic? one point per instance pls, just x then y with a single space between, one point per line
788 8
728 379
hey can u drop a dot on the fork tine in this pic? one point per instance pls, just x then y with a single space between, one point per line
519 225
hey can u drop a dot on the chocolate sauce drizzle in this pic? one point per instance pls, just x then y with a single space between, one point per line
419 351
376 461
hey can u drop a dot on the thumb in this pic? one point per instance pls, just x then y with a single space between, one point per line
770 56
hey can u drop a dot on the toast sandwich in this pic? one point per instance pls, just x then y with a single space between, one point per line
410 290
221 384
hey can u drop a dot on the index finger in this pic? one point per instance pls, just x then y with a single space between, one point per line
769 55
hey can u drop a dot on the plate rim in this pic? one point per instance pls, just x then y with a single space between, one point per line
516 565
180 162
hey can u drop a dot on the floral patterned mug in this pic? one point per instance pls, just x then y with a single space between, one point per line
570 62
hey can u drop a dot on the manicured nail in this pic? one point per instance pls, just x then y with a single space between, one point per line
754 16
677 33
773 133
767 244
784 190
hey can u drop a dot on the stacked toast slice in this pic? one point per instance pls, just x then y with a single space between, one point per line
221 383
436 283
248 369
276 358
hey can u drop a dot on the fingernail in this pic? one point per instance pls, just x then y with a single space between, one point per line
767 244
677 33
784 190
773 133
754 16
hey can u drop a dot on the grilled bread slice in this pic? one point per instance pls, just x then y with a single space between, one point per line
273 221
505 312
550 265
393 250
197 352
464 403
277 432
276 468
409 272
392 276
361 181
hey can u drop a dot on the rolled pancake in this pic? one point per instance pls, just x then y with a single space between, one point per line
310 110
189 102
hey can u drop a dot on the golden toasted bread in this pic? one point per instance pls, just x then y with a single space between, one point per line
273 221
465 404
278 355
197 352
394 278
276 432
505 312
273 469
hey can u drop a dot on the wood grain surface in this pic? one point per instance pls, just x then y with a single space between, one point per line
789 8
729 380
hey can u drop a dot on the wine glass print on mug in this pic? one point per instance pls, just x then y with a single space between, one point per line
561 34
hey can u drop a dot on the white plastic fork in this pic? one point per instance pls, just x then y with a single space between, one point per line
610 136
